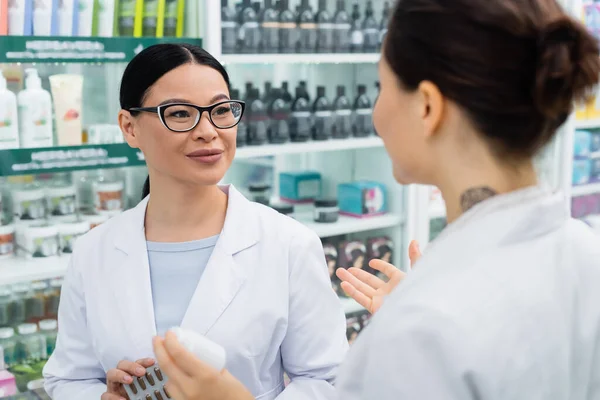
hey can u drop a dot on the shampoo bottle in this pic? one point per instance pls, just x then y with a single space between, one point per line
324 29
300 121
105 15
288 28
67 93
323 116
85 15
357 35
269 28
20 18
363 110
279 112
67 22
35 113
341 35
44 17
249 29
307 29
371 30
9 130
229 28
342 114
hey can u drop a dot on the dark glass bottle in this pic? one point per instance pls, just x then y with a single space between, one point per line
304 87
323 117
342 115
385 19
288 29
249 33
286 93
242 131
363 114
370 30
301 115
279 113
307 29
324 29
356 34
229 28
342 26
267 93
258 120
269 28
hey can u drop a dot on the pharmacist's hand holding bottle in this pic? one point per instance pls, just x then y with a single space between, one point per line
367 289
192 379
124 375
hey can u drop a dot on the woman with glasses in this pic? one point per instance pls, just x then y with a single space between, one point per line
505 303
194 254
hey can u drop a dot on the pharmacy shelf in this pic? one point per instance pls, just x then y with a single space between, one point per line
587 124
333 58
351 306
582 190
347 225
16 270
308 147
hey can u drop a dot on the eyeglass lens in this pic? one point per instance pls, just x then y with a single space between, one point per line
183 118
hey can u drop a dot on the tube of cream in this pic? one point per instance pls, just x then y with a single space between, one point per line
20 17
85 15
66 93
66 10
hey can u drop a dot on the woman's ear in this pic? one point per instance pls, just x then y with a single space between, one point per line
127 125
432 107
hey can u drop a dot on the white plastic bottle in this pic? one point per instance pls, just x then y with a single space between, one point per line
9 128
35 112
205 349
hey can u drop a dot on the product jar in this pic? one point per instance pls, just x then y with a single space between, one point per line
7 241
49 328
8 342
326 210
31 345
38 241
53 298
28 204
61 201
109 197
17 303
35 305
69 232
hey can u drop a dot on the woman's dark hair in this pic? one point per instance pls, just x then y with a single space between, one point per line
516 67
151 64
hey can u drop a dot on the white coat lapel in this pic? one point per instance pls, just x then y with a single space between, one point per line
132 286
223 277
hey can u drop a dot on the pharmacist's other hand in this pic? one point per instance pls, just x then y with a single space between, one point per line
123 375
369 290
191 378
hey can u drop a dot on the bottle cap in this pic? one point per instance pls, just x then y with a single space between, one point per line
27 329
48 325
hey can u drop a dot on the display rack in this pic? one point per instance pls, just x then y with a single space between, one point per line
351 58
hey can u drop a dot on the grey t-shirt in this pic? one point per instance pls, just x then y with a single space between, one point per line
175 270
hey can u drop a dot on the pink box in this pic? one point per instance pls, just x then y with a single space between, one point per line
8 384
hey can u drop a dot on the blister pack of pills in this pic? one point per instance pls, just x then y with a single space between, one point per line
149 387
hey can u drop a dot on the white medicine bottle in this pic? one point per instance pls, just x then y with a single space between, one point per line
9 127
35 112
205 349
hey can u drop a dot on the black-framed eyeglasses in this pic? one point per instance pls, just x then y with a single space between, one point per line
183 117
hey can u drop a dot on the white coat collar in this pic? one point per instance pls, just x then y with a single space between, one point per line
222 279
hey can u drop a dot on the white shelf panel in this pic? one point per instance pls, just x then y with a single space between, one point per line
582 190
587 124
329 58
15 270
308 147
351 306
346 225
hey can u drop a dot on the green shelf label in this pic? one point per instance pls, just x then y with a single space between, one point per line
72 158
29 49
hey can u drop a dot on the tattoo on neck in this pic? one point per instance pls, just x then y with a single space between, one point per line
475 196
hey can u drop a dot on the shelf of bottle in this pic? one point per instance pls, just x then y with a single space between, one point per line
586 189
16 269
55 49
309 147
329 58
119 155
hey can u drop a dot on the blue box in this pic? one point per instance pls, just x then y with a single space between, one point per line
582 171
300 186
582 143
362 198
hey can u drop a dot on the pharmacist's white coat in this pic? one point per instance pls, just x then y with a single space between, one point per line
265 296
504 305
